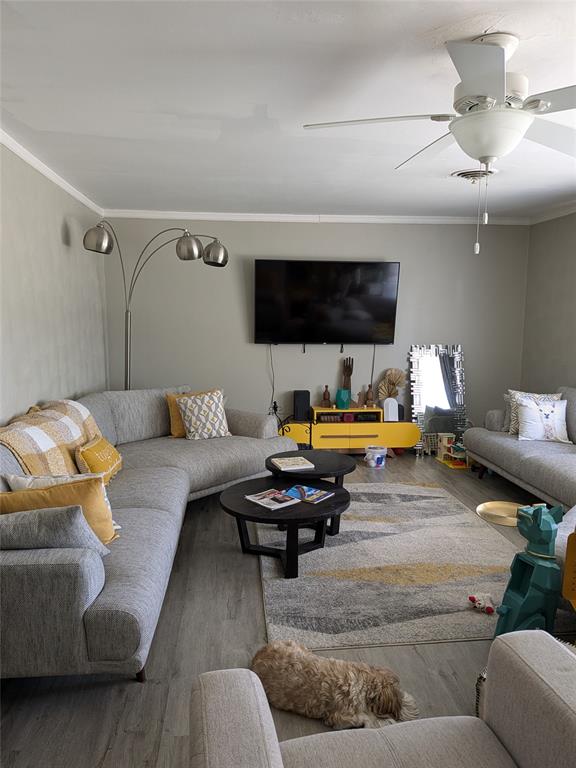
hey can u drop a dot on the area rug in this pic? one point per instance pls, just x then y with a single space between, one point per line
399 571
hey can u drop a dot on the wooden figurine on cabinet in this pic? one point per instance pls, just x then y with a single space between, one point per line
369 401
326 401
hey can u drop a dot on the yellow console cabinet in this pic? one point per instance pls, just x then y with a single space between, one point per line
352 430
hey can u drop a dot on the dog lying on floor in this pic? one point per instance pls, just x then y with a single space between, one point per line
343 694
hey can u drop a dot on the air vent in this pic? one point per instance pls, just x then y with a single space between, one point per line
474 174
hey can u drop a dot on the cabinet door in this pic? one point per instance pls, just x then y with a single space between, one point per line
331 435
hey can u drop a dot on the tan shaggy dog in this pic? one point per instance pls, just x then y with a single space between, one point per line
343 694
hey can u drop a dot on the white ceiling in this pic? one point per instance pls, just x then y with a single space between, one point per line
198 106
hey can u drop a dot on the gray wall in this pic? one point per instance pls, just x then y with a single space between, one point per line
193 324
52 293
549 357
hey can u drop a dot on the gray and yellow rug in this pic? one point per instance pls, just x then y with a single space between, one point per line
400 571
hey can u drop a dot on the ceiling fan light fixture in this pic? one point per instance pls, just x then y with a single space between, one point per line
486 136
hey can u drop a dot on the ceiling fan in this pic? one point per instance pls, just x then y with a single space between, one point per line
494 110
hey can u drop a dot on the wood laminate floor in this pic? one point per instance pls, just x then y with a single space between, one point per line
212 618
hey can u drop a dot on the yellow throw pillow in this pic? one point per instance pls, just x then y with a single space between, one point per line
99 456
177 428
87 493
176 424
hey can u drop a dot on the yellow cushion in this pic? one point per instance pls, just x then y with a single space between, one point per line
88 494
177 428
176 423
99 456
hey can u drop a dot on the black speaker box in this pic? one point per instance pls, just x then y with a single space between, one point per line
301 405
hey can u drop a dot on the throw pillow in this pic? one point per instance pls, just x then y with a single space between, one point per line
99 456
542 420
21 482
203 415
87 493
516 395
507 414
177 428
50 528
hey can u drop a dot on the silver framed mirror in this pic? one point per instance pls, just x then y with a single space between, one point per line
438 388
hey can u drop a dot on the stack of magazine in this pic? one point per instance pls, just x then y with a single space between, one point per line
275 499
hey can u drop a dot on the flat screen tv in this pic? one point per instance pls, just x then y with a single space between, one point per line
325 302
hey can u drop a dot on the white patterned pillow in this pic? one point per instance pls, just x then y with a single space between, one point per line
203 415
544 420
516 396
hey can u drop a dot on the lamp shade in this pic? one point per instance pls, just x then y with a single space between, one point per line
98 239
215 254
490 134
189 247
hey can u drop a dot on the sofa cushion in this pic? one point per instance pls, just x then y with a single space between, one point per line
120 623
556 476
510 453
569 393
98 405
209 463
55 528
440 742
163 488
140 414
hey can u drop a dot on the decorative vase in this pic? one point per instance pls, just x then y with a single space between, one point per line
343 399
390 409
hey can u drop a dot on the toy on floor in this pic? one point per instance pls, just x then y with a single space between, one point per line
531 597
483 603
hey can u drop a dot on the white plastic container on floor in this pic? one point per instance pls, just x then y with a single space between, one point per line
375 456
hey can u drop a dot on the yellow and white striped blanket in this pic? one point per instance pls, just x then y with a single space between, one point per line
45 439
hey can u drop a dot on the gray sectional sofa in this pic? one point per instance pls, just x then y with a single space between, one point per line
80 613
528 720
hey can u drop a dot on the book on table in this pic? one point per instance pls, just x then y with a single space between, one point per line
273 499
308 494
292 464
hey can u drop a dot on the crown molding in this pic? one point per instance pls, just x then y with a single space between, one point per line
554 213
305 218
11 144
276 218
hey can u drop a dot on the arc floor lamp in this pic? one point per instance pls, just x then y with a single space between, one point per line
101 239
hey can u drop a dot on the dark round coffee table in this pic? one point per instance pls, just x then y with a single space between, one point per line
326 464
293 517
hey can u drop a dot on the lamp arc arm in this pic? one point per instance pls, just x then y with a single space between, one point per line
137 272
115 236
142 252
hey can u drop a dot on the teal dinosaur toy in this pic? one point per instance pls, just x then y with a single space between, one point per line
532 594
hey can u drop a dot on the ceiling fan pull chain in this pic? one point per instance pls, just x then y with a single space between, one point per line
477 243
485 217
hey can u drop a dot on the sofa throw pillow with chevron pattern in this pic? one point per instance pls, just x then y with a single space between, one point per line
203 415
516 396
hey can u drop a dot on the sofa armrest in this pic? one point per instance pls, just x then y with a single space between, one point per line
246 424
44 595
232 722
494 420
530 700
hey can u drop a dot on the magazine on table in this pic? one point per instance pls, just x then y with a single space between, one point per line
273 499
306 493
292 464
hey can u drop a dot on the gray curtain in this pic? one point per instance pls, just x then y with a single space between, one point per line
447 368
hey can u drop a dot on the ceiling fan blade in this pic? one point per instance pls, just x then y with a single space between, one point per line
558 100
482 68
431 149
393 119
562 138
